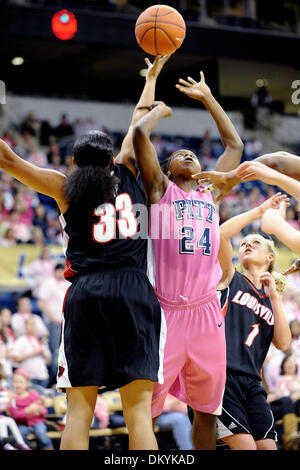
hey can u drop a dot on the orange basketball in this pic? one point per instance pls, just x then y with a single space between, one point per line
160 30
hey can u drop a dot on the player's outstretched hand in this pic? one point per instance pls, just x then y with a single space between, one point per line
197 90
277 201
155 68
216 180
250 171
272 217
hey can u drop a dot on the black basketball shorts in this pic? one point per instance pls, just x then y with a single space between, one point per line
113 331
245 409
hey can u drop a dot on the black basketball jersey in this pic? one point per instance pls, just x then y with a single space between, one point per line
248 325
112 235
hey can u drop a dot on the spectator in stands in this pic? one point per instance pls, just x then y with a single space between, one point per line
46 132
57 164
291 307
50 301
101 418
31 124
10 436
21 231
37 157
28 411
291 217
64 128
68 165
32 355
261 97
40 220
6 347
288 385
255 198
261 101
8 238
37 271
37 236
295 346
24 143
3 209
28 199
54 229
174 417
53 151
24 312
6 187
5 321
206 141
253 148
208 162
288 382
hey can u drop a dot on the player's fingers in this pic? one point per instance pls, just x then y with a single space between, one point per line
197 176
182 89
185 83
202 180
190 79
247 176
148 63
164 58
202 77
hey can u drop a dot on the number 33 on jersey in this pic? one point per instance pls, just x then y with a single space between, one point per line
105 230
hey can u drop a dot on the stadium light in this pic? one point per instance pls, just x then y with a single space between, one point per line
17 61
64 25
143 72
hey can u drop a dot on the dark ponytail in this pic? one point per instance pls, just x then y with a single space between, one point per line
92 182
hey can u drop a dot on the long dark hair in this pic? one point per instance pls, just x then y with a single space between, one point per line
93 181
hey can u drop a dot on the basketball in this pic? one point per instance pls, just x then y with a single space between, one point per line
160 30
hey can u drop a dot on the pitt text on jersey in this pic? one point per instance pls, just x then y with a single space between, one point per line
188 220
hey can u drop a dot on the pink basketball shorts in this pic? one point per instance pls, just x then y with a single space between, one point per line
194 366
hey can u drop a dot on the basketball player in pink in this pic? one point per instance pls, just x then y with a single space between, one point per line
184 230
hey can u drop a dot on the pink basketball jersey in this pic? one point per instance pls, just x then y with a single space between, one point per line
184 244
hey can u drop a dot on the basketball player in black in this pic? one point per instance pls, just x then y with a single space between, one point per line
112 327
253 318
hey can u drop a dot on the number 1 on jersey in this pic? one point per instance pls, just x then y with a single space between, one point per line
252 335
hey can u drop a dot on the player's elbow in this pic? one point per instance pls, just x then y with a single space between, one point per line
239 144
236 144
138 135
283 344
5 158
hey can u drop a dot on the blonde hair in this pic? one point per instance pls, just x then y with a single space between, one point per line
281 281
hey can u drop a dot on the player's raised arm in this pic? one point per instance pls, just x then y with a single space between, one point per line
273 222
155 182
126 155
255 170
42 180
233 226
284 162
232 142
